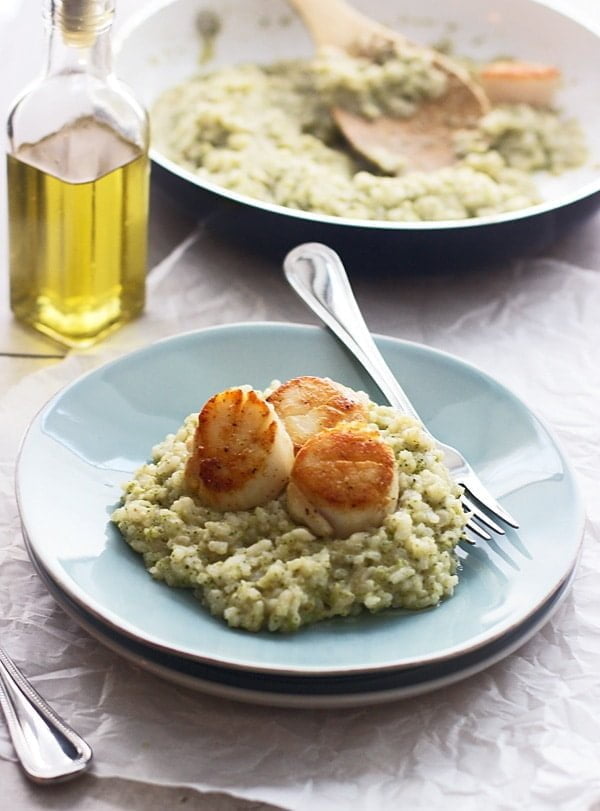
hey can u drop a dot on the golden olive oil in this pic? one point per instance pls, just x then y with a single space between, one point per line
78 207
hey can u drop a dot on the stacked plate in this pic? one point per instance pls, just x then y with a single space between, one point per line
92 436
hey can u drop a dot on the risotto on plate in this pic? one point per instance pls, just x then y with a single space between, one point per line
296 514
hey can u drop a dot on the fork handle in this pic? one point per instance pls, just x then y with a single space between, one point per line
48 749
318 276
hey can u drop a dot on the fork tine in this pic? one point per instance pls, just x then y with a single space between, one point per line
481 494
326 289
481 516
480 531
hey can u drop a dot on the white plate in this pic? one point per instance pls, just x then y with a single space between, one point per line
160 47
91 437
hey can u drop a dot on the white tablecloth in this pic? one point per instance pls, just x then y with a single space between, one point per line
524 733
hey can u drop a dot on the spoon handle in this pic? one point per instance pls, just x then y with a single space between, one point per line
337 23
48 749
318 276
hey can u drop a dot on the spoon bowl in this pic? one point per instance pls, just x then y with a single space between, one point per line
160 48
424 140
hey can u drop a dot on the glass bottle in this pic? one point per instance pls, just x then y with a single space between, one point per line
78 176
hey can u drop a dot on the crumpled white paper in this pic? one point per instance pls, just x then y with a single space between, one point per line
526 732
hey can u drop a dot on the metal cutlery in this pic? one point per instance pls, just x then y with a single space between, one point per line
48 749
318 276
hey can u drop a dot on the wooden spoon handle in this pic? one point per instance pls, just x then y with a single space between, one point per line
335 23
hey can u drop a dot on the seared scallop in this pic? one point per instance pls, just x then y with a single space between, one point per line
344 480
241 454
507 82
308 405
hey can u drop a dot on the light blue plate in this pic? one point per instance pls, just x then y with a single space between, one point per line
304 692
92 436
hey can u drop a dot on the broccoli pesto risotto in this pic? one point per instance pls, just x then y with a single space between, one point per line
266 131
277 515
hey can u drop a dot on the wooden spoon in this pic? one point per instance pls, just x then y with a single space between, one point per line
425 140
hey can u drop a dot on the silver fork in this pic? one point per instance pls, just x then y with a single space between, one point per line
318 276
48 749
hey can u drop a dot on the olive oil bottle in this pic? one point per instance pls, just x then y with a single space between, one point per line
78 176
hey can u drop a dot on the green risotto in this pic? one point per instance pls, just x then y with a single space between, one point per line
265 131
258 569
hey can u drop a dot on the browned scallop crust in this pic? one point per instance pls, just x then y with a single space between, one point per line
310 404
232 445
345 470
514 82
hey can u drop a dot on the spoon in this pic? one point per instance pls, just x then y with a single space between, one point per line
48 749
424 141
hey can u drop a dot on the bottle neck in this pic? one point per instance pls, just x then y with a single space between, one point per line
79 36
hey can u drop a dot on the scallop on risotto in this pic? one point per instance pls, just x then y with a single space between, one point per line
297 504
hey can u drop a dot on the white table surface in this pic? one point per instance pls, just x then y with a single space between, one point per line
524 733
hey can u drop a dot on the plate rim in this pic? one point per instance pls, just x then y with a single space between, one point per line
77 594
341 700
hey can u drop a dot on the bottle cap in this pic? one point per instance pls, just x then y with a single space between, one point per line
81 20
